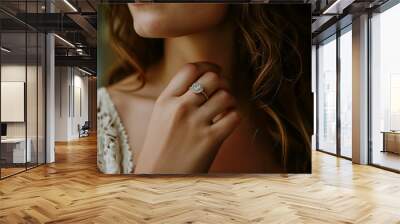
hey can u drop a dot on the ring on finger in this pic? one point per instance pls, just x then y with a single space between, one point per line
197 88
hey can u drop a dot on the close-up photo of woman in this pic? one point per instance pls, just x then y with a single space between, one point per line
189 88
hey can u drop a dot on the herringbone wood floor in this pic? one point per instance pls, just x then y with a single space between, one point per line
72 191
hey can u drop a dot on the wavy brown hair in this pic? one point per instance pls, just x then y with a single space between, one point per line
272 54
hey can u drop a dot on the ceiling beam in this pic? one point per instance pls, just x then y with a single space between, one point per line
84 24
78 61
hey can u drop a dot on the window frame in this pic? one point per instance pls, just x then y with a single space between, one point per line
336 35
378 10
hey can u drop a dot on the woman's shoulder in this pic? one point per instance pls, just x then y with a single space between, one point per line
111 136
107 114
102 93
112 98
104 101
130 83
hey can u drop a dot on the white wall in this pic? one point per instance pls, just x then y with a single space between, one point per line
12 101
61 103
10 73
71 94
34 125
16 72
80 102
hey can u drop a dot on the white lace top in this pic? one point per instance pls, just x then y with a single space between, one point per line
114 156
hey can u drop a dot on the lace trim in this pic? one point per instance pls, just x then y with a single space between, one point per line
126 160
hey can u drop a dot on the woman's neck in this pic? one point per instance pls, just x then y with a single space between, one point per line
214 46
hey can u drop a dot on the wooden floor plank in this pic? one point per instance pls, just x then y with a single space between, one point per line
72 191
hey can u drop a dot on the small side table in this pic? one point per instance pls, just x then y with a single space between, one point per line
391 141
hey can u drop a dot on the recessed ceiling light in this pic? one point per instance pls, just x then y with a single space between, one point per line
337 7
70 5
65 41
84 71
5 50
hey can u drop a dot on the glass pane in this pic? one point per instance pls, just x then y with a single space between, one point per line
31 97
385 84
14 152
346 94
32 88
41 98
314 84
327 96
23 82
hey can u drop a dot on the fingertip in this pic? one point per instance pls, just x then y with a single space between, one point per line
236 116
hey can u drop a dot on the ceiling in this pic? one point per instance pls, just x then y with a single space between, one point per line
72 20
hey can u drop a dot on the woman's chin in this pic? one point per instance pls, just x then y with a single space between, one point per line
149 33
146 34
158 29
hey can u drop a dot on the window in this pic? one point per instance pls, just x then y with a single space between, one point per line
385 89
346 92
335 137
327 95
22 78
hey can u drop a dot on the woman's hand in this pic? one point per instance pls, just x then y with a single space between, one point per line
186 130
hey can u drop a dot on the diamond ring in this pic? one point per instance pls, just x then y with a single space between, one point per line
197 88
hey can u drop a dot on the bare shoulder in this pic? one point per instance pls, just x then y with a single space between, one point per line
123 91
131 92
129 84
135 86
